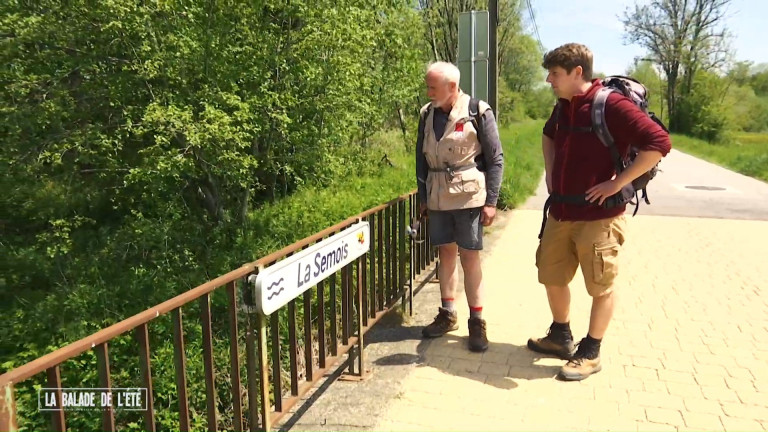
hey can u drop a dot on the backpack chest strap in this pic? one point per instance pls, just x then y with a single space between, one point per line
582 129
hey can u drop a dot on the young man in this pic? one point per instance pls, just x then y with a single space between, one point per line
459 197
589 233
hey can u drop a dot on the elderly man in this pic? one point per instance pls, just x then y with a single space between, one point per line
459 165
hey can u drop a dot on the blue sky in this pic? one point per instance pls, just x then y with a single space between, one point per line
596 23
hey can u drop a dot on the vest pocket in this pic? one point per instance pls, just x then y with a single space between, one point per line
463 183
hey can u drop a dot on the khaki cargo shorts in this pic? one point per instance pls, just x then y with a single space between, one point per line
595 245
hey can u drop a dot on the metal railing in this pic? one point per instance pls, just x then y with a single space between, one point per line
368 287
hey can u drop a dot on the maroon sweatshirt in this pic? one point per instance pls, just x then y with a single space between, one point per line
581 159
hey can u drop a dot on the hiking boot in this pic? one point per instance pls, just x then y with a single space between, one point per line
556 342
444 322
585 362
478 341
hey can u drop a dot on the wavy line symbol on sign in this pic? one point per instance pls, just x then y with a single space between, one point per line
275 294
275 284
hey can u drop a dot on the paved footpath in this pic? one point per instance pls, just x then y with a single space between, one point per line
687 350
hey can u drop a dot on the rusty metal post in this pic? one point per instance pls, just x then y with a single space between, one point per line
266 408
234 357
411 255
208 363
105 381
360 314
58 419
142 339
7 409
180 362
401 222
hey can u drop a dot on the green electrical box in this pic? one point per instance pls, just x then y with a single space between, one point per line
473 53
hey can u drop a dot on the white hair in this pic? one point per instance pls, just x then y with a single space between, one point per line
448 71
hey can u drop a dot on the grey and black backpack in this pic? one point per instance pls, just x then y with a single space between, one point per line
637 93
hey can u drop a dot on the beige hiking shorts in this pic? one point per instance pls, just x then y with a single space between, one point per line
593 245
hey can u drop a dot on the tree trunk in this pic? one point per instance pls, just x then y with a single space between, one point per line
671 103
433 42
401 117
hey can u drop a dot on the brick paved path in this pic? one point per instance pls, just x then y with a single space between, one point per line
687 350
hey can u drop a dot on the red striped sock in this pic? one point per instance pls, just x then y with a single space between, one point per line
447 303
475 311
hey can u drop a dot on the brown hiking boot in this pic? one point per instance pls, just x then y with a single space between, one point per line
556 342
444 322
585 362
478 340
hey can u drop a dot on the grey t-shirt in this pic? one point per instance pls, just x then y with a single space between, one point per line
492 155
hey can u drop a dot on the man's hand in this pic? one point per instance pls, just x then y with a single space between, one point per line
487 214
422 210
602 191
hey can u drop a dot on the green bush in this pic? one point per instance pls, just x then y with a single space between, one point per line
704 112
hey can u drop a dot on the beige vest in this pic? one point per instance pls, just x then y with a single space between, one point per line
456 148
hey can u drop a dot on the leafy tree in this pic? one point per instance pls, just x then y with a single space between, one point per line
759 82
684 37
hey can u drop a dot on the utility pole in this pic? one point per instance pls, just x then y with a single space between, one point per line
493 67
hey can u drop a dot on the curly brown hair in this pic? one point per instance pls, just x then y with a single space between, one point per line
569 56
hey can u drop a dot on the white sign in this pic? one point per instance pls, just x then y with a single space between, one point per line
279 284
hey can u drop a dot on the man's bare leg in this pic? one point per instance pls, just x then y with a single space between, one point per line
559 339
448 273
586 360
473 277
473 287
602 312
559 303
445 320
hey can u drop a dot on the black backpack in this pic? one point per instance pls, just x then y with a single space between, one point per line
637 93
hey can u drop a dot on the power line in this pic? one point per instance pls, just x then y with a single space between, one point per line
535 27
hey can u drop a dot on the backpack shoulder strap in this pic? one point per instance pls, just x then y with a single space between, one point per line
423 114
474 106
601 128
474 115
425 111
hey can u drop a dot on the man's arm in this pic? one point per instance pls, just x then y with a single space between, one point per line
644 161
630 126
548 148
494 157
422 169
